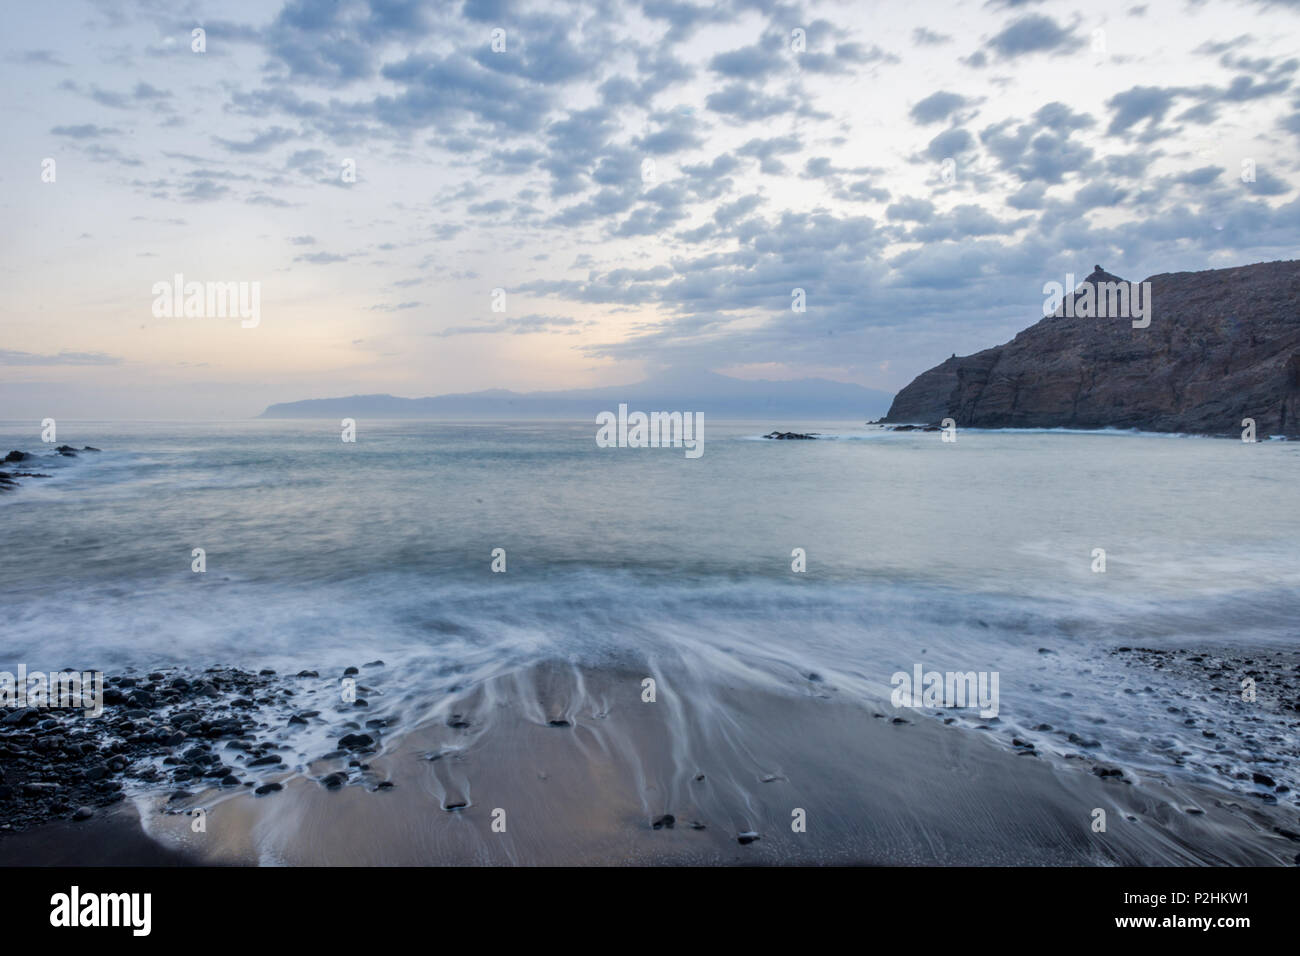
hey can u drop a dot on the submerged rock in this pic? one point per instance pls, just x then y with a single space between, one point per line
786 436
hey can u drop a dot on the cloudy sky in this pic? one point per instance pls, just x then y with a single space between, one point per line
646 181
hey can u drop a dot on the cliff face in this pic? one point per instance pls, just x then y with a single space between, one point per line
1222 345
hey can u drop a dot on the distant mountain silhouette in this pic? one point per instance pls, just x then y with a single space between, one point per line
719 396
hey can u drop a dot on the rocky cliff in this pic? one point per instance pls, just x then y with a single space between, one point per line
1221 346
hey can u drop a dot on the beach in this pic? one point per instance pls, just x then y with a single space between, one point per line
561 765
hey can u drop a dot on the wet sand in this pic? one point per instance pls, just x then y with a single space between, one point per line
115 838
581 770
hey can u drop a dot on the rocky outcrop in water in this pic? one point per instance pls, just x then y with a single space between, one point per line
1222 345
9 479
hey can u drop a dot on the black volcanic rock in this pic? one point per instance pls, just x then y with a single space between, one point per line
1222 345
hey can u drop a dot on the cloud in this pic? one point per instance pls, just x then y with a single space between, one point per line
1267 183
1043 147
260 142
923 36
340 43
1033 33
683 17
84 131
950 144
524 325
911 209
748 63
937 107
204 190
36 58
766 151
13 358
675 131
776 169
437 88
747 104
1139 103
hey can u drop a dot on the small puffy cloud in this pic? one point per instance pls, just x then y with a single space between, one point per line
937 107
1033 33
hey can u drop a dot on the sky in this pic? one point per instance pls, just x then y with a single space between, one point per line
446 197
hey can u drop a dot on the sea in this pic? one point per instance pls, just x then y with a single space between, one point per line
457 552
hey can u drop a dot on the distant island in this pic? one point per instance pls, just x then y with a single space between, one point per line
718 396
1222 345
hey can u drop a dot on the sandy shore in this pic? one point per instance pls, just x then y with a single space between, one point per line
581 771
115 838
